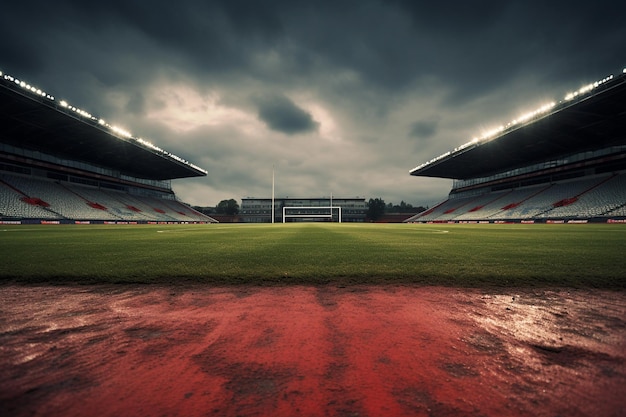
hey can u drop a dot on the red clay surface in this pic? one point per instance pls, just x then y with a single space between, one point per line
310 351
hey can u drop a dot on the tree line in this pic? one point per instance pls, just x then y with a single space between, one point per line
228 207
376 208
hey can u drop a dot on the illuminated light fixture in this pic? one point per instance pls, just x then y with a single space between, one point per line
527 116
118 130
121 132
587 88
521 119
26 86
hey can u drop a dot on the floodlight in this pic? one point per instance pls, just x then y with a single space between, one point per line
119 131
490 134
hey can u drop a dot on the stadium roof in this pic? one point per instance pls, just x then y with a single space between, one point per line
591 118
32 119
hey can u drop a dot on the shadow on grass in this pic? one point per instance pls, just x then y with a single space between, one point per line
616 284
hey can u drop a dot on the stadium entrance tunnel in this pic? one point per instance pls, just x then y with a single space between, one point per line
313 351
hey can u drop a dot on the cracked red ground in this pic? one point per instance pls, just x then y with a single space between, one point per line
310 351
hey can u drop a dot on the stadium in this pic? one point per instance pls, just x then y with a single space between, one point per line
116 299
60 164
564 162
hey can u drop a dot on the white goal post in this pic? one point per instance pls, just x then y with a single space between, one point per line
317 215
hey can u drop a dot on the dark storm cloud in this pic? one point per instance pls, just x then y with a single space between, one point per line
283 115
470 45
379 86
423 129
127 42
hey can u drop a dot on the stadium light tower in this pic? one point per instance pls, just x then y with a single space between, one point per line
272 214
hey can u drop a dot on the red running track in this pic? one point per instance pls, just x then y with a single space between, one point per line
310 351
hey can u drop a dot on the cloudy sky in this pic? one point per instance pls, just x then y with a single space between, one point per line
341 97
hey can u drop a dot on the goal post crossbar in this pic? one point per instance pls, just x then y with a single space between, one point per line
312 215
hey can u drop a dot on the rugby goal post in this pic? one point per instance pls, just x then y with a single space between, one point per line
316 212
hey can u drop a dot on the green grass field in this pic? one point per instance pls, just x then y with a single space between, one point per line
225 254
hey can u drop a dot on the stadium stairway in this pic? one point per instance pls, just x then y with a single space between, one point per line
605 195
105 213
602 195
24 197
15 203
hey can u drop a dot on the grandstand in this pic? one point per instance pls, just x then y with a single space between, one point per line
564 162
60 164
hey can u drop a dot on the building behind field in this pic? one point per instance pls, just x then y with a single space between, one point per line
258 210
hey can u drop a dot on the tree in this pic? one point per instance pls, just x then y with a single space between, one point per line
204 210
375 208
229 207
402 208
